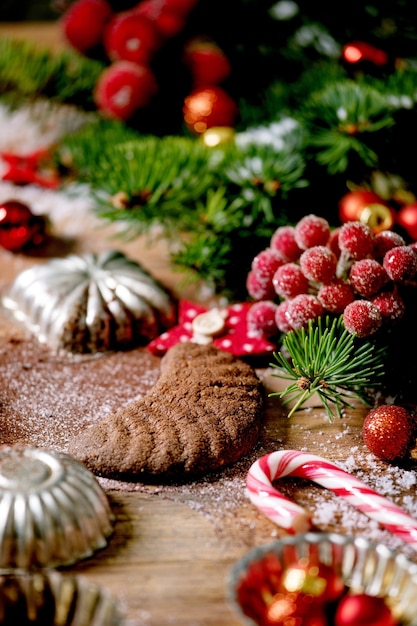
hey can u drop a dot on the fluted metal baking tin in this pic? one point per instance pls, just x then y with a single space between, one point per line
53 598
365 566
89 303
53 511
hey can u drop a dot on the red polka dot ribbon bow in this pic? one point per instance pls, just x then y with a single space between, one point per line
225 328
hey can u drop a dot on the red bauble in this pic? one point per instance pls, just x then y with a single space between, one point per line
363 610
389 432
407 219
208 107
19 228
365 206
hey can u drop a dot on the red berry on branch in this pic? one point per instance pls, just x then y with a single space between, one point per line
261 319
334 297
312 230
181 7
259 286
166 20
386 240
283 241
281 317
289 281
400 263
206 61
356 240
266 263
318 264
302 309
367 277
389 432
130 36
362 318
263 268
84 22
390 304
123 87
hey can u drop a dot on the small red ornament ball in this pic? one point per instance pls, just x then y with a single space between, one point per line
389 432
363 610
407 218
19 228
207 107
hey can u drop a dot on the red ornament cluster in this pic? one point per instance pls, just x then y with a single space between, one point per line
131 39
310 270
306 593
366 206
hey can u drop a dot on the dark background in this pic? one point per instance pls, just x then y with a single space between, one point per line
35 10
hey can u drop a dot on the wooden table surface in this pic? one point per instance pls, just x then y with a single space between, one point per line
169 558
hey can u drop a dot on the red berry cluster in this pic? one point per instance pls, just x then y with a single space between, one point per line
131 39
310 270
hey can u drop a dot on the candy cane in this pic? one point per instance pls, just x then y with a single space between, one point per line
294 518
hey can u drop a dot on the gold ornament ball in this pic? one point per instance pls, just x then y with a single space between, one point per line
379 217
217 136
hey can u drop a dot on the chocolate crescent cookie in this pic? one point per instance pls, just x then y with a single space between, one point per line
203 413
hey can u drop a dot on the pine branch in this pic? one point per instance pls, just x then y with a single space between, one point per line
325 359
30 72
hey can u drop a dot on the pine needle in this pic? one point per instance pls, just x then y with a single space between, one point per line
326 360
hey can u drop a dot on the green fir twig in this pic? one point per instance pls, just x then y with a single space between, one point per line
327 360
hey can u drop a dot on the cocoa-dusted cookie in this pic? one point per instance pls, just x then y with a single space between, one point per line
203 413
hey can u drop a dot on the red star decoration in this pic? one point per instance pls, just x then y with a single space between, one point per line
234 337
23 170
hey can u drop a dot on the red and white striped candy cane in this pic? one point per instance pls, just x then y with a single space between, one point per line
294 518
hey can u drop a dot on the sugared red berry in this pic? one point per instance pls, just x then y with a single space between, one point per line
333 242
283 241
312 230
130 36
281 317
83 23
207 62
289 281
386 240
302 309
390 304
266 263
259 287
362 318
335 296
367 277
356 240
389 432
318 264
400 263
261 319
123 87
